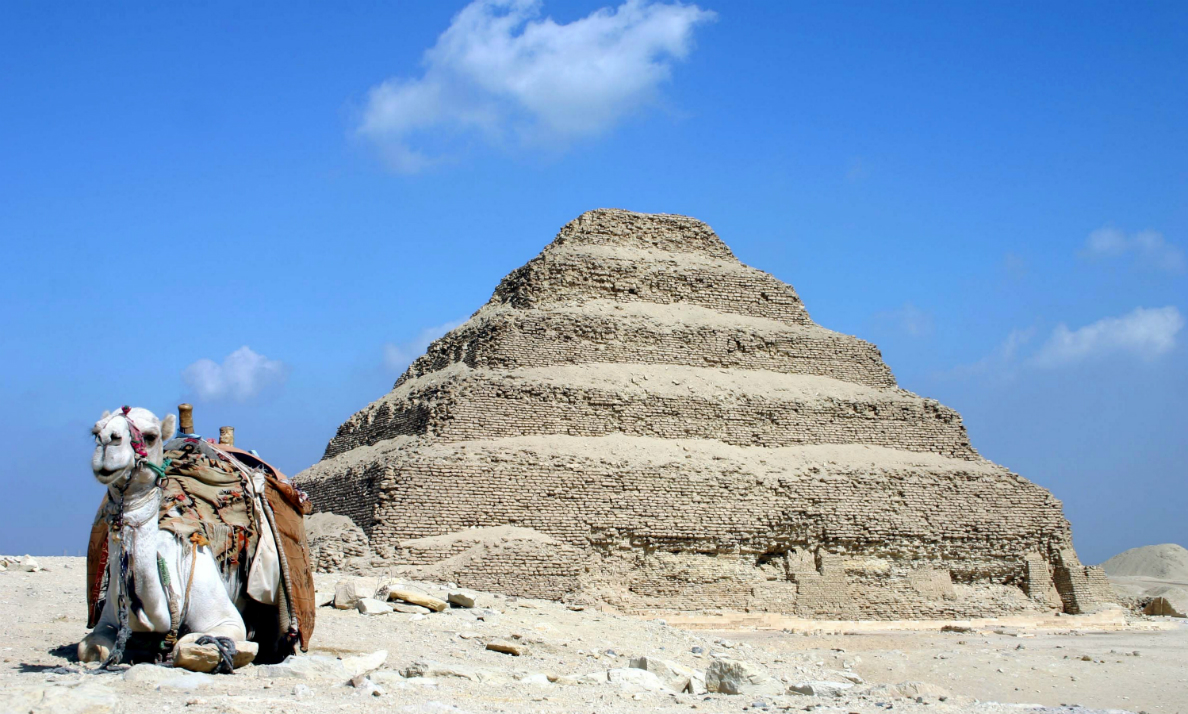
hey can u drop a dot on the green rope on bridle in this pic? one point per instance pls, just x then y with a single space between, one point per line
160 468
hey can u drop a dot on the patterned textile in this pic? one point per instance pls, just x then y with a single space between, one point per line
203 492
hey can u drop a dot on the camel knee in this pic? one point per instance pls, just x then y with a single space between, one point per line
96 646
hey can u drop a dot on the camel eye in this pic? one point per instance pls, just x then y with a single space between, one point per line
150 438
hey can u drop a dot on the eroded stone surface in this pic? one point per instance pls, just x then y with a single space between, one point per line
637 418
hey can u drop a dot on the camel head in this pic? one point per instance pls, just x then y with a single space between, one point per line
125 437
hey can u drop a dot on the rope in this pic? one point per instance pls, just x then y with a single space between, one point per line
227 652
158 469
122 608
174 612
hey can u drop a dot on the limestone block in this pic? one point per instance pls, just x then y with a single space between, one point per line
730 676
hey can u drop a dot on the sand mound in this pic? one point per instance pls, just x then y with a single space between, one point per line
1165 562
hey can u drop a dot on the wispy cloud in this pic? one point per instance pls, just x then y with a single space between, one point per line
1148 248
908 319
243 374
1002 361
501 71
1143 333
397 357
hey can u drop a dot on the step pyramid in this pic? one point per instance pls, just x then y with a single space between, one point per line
637 418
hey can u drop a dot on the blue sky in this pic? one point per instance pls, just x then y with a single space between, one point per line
995 194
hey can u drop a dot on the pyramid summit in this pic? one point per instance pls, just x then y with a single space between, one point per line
637 418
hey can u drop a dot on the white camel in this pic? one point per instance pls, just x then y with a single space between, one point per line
128 443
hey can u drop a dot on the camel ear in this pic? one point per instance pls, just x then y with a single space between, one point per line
106 414
168 428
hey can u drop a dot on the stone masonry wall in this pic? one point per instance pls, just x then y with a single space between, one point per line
534 338
492 405
561 277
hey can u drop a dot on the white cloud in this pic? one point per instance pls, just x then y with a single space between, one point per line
500 70
1143 333
908 318
242 375
397 357
1148 247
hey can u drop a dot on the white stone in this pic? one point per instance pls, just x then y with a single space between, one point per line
409 609
363 664
349 592
676 677
151 673
371 606
631 679
437 670
305 667
731 676
820 689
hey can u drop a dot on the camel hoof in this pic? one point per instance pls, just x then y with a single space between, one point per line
205 658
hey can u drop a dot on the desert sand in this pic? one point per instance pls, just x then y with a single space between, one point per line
580 661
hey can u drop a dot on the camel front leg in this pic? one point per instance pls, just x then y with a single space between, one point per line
211 614
97 645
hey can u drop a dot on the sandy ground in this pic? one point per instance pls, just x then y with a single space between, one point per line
1021 668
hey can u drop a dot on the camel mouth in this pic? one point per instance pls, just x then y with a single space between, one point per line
107 476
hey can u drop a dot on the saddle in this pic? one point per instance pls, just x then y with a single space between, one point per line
209 499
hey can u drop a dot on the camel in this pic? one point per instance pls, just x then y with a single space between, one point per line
128 462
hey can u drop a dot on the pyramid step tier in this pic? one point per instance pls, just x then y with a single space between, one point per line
744 408
604 493
578 273
498 337
656 231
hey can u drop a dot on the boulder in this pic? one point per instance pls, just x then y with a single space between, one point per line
676 677
416 598
409 609
371 606
732 676
461 599
306 667
205 658
29 564
348 593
